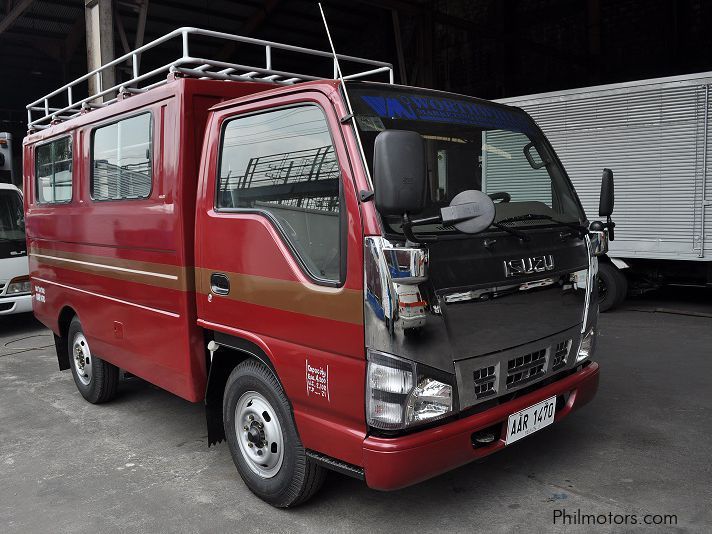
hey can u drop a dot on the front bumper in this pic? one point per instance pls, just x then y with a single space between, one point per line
393 463
18 304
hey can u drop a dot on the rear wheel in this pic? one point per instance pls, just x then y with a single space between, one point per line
96 379
263 439
612 287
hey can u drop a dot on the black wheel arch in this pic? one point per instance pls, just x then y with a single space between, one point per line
232 351
60 340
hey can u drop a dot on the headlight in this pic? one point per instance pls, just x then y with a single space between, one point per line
587 346
401 393
18 286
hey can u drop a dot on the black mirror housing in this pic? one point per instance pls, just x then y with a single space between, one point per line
399 172
605 204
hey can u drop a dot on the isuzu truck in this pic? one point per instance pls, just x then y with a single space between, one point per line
385 281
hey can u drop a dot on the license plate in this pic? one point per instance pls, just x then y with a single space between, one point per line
531 419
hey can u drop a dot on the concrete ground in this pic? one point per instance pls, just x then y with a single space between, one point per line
141 464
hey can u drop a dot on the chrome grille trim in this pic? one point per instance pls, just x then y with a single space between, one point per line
485 381
527 368
561 354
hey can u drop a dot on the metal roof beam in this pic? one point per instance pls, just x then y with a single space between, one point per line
15 14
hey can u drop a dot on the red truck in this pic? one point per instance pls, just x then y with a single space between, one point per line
385 281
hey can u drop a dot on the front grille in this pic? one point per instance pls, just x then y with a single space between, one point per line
525 368
560 355
485 382
485 378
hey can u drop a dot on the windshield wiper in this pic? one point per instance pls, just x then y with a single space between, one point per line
580 230
510 230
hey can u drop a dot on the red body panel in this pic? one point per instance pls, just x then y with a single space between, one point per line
325 329
83 254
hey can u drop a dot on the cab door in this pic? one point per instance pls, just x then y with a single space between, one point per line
279 257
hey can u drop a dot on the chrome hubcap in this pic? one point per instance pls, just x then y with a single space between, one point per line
82 358
259 434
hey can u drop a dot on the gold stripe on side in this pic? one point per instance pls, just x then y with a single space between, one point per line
337 304
155 274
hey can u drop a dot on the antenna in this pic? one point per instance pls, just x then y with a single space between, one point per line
337 71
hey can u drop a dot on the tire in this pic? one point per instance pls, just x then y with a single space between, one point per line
622 282
610 292
282 475
96 379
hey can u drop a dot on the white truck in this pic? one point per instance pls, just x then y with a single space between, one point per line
655 135
15 294
6 163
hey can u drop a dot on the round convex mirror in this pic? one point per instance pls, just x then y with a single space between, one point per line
484 211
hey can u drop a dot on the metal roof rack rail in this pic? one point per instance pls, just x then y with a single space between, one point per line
61 104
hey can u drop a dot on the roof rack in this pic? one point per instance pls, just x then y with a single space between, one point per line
61 104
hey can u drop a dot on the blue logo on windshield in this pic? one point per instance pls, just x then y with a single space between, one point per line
436 109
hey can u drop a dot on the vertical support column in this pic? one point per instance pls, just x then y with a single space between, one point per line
594 39
100 44
426 71
399 48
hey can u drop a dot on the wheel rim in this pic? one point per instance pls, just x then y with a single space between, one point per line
259 434
82 358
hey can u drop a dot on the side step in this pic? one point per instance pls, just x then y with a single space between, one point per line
337 465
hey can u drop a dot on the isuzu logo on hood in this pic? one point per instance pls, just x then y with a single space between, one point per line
535 264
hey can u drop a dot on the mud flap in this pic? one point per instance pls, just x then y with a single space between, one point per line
60 346
220 369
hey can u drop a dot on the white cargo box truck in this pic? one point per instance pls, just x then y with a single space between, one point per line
655 136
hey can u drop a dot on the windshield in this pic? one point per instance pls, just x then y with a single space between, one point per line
12 220
471 144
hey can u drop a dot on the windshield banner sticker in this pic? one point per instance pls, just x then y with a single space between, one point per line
437 109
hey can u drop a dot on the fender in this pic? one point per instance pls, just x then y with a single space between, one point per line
221 364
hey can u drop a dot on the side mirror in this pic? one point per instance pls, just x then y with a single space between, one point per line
399 172
605 204
599 238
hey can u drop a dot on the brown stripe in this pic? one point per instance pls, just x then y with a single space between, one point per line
102 266
337 304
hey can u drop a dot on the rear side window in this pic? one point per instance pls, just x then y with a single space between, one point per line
53 171
121 159
282 162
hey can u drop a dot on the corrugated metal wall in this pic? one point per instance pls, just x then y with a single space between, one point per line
505 168
652 134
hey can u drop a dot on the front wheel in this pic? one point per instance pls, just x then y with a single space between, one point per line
96 379
263 439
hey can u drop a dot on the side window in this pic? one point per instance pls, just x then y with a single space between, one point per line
283 162
121 158
53 171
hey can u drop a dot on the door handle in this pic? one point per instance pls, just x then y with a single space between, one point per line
219 284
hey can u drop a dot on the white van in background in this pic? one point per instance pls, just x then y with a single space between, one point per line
15 294
6 163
